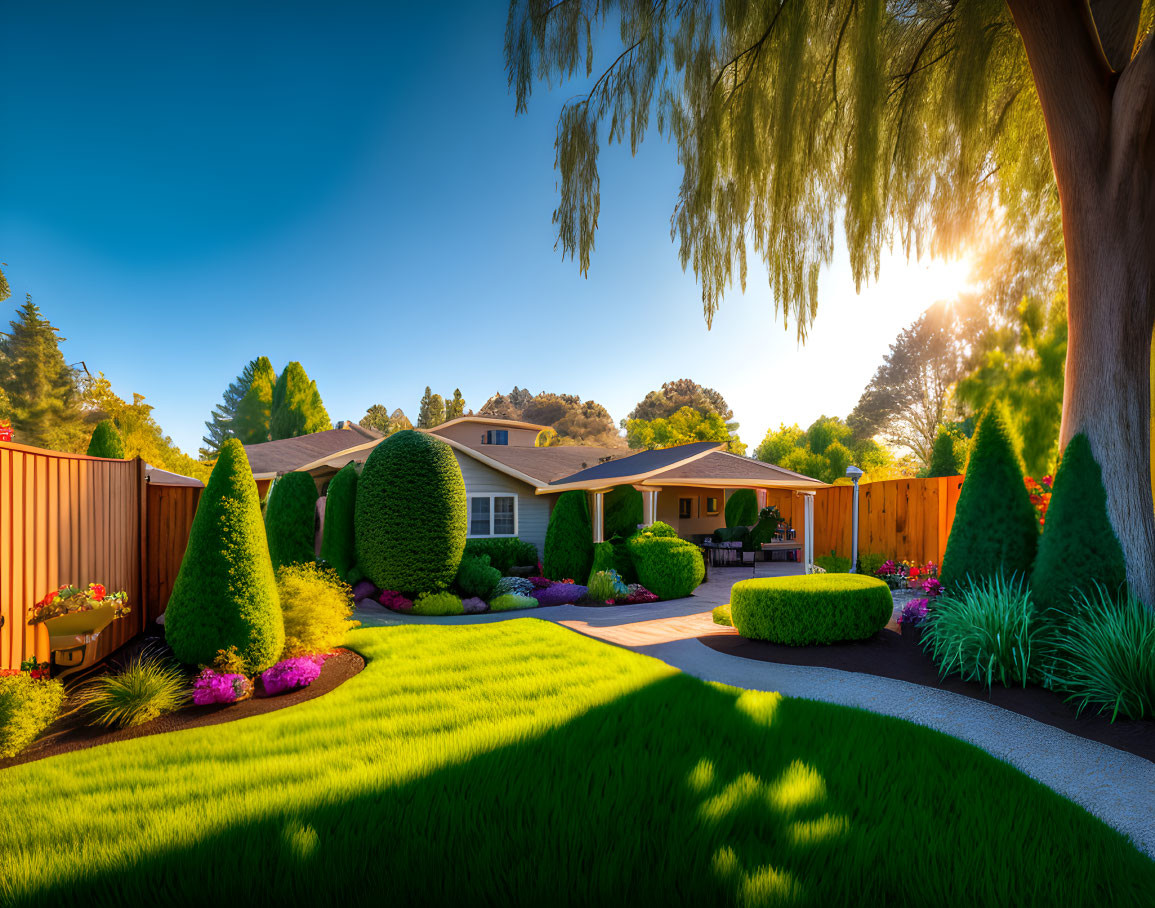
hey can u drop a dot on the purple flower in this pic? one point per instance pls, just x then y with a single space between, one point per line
913 612
559 594
290 674
216 687
932 588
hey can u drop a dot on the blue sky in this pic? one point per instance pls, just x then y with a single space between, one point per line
186 186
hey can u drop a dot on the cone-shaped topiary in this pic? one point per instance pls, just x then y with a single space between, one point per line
948 456
106 441
409 524
623 511
569 546
742 509
225 593
291 519
1079 546
995 529
337 546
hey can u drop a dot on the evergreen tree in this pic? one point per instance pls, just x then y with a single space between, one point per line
948 456
297 406
106 441
225 593
291 519
398 421
741 508
255 409
623 511
432 410
43 399
337 538
995 529
376 417
569 545
456 407
1078 548
220 424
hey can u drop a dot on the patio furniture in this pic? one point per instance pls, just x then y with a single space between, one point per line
723 553
791 549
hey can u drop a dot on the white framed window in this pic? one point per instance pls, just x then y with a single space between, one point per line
491 515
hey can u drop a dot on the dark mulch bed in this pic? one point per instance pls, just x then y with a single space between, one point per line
72 730
890 656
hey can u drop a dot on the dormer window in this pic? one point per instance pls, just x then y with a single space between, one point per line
497 437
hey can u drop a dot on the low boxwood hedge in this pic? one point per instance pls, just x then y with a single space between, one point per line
504 553
669 568
817 608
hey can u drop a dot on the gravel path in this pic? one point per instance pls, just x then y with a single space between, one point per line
1115 786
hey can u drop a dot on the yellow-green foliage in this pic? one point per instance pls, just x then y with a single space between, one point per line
317 607
449 724
148 687
816 608
669 568
443 603
291 519
337 543
225 593
510 601
27 707
721 615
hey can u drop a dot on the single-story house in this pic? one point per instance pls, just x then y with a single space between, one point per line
511 485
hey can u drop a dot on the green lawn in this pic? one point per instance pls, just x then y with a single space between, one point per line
520 763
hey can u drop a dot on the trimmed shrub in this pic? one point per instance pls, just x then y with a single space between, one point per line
987 631
569 547
410 517
622 510
816 608
317 607
27 707
669 568
869 563
833 564
106 441
995 529
443 603
337 544
148 687
476 578
721 615
1079 547
1105 659
659 529
225 593
762 532
291 519
504 554
509 601
742 508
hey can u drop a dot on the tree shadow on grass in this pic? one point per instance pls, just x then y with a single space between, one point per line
675 793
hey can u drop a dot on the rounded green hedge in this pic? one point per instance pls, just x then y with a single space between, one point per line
742 508
816 608
291 519
337 547
669 568
225 593
409 524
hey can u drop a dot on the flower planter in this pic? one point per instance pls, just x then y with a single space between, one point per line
70 637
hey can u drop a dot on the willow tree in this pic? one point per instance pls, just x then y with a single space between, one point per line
909 121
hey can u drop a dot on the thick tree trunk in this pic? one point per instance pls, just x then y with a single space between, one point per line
1107 390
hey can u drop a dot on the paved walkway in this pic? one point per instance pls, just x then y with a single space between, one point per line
1116 786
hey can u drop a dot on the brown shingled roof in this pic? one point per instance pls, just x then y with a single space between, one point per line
547 464
287 454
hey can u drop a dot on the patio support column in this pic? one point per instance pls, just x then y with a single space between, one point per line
807 530
599 517
649 504
761 496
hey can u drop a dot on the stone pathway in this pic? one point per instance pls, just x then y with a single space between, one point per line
1116 786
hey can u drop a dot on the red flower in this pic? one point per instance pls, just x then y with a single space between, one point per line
97 591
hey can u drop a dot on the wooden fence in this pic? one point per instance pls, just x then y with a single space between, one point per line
898 518
65 518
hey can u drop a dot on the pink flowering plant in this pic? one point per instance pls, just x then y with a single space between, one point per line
395 601
291 674
211 686
913 612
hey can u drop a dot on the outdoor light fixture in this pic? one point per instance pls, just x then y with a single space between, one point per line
855 474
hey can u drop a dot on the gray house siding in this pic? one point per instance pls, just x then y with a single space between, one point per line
532 510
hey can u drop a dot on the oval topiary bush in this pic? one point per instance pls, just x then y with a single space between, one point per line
106 441
291 519
225 593
569 545
817 608
337 547
742 508
409 524
669 568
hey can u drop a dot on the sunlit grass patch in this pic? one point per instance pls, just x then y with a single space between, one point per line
521 763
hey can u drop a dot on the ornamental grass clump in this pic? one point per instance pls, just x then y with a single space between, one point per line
149 686
291 674
988 632
607 586
1105 657
27 706
316 606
